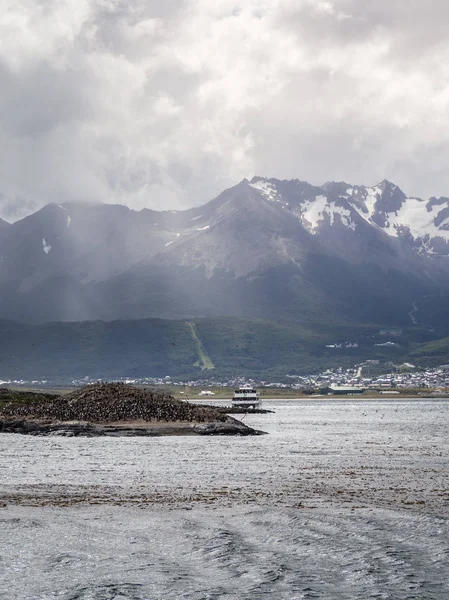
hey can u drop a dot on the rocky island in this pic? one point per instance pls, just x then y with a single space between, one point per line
112 409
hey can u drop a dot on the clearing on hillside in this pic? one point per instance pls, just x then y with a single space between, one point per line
204 360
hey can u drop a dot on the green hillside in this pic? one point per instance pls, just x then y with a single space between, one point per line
265 347
200 348
432 354
97 349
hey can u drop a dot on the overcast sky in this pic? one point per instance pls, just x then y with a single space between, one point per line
164 103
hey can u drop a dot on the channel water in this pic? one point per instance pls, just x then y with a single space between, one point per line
343 499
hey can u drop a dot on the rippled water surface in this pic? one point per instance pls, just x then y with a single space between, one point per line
342 500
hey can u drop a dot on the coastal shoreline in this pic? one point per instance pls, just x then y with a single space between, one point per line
125 429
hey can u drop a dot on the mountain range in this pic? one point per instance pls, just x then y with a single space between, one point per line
269 249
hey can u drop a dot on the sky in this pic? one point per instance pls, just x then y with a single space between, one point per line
165 104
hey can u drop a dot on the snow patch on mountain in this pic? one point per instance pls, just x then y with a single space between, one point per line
315 212
45 247
345 217
372 196
203 228
267 189
421 222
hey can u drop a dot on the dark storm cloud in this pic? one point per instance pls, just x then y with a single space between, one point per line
165 104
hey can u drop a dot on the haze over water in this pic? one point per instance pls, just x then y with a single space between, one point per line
344 499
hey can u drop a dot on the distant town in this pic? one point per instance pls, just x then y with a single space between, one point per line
405 376
368 376
340 380
402 376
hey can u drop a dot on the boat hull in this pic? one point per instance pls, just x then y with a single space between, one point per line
247 403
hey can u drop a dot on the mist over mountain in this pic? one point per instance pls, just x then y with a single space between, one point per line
265 248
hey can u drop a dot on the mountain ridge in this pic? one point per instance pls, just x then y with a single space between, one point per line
269 248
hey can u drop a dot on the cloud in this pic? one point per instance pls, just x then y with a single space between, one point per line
164 104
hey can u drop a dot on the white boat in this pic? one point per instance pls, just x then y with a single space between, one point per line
246 397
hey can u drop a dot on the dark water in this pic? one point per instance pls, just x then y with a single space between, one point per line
342 500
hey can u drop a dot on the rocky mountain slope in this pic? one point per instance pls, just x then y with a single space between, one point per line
264 248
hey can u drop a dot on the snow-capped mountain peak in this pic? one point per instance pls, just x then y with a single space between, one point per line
421 224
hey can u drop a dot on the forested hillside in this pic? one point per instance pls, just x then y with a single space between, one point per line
201 348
